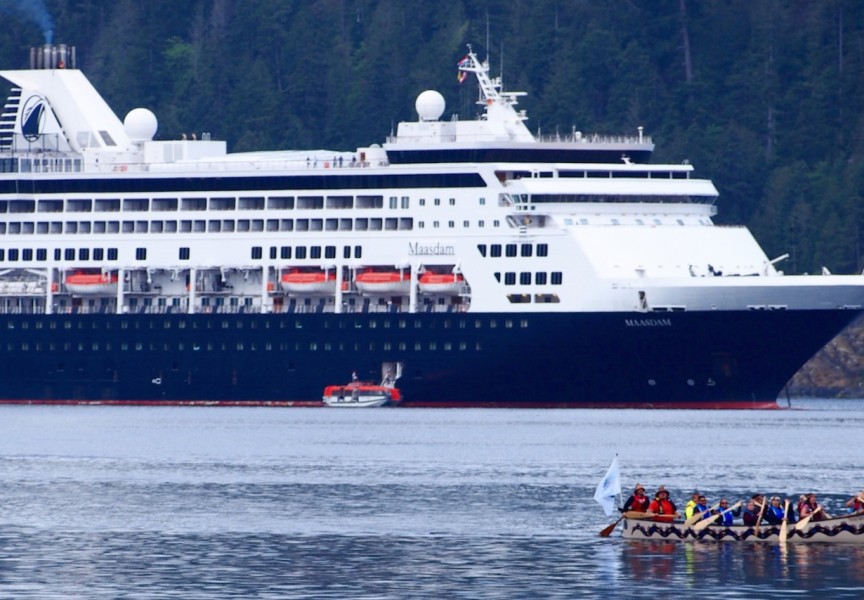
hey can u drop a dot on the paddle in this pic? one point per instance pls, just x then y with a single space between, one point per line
759 518
800 525
698 515
784 530
708 521
630 514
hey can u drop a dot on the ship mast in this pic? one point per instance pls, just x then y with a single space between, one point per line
491 94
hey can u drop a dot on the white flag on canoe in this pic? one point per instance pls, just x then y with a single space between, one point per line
609 487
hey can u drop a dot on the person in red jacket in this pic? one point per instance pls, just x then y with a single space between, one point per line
662 506
638 501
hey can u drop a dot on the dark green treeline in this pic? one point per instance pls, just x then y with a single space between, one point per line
763 96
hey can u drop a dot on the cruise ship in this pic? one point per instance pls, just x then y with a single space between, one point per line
470 262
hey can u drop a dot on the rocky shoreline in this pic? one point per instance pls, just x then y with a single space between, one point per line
836 371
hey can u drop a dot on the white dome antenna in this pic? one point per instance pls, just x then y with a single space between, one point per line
430 105
141 125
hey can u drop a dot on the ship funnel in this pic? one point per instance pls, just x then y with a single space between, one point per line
53 56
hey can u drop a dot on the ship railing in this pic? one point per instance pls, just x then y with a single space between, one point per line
572 138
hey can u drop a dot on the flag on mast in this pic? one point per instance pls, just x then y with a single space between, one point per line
609 487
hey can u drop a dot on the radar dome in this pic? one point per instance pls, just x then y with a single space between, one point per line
430 105
140 124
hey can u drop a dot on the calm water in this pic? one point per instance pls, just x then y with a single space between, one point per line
103 502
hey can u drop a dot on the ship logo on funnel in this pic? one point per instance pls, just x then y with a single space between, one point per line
32 117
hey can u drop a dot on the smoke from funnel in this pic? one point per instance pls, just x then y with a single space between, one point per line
33 10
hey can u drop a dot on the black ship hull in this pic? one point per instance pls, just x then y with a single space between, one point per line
676 359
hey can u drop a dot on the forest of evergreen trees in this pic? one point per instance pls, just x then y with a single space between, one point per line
763 97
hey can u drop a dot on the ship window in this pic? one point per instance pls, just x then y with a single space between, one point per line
300 252
42 227
657 221
83 254
257 224
285 252
616 222
340 202
540 278
41 254
140 253
50 206
13 254
466 223
525 278
557 277
310 202
227 225
345 224
358 252
331 224
243 225
98 253
272 224
406 223
302 224
251 204
71 227
421 225
497 275
184 254
679 221
223 203
315 224
451 224
315 252
156 226
83 227
135 204
22 206
495 250
128 226
526 249
361 224
185 226
496 223
280 202
99 227
437 201
164 204
370 202
542 250
256 252
140 226
509 278
546 299
193 204
394 201
346 251
422 201
330 252
69 254
107 205
391 224
519 298
511 250
112 253
286 224
640 222
436 224
481 224
406 202
79 206
375 224
27 254
273 252
482 249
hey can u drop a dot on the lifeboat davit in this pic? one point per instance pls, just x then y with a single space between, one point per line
304 282
441 283
92 284
389 283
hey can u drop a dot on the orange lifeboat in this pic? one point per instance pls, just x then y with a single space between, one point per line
388 283
441 283
306 282
92 284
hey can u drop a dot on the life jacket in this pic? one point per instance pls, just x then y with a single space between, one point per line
640 504
699 509
665 510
